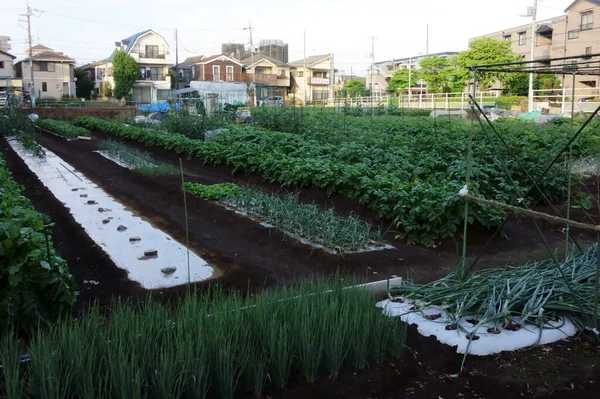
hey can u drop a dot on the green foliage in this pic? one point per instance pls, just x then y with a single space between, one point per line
61 128
107 89
193 126
481 51
408 170
354 88
125 73
287 214
399 80
517 84
141 161
84 84
215 340
35 284
436 72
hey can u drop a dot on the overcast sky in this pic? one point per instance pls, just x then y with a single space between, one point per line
87 29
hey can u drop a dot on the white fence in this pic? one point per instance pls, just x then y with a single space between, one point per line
422 101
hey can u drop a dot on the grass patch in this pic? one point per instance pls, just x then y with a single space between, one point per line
140 161
216 343
286 213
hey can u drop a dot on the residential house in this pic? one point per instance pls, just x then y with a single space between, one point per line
7 73
312 79
186 70
384 70
150 50
4 43
570 34
217 68
271 76
53 73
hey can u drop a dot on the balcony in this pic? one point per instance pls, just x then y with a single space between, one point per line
319 81
152 55
152 77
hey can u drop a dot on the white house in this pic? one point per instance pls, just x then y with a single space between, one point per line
53 73
150 50
7 74
312 79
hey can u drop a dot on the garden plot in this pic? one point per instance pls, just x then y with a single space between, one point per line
134 159
151 257
488 338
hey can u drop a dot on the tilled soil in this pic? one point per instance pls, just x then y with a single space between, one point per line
249 255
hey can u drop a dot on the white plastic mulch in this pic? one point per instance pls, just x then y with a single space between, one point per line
488 343
102 218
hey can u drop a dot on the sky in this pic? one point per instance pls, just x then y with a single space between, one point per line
87 29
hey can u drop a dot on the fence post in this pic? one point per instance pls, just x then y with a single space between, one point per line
562 107
447 103
432 101
420 100
481 96
462 100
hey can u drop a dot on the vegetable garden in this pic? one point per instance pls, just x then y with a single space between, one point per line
276 207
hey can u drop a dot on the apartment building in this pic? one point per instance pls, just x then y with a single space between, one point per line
384 70
571 34
53 73
149 50
312 79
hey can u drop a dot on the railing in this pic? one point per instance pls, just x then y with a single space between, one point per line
319 81
564 100
422 100
155 56
153 77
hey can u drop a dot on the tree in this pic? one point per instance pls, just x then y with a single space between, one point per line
84 84
399 80
354 88
517 84
125 73
435 71
480 52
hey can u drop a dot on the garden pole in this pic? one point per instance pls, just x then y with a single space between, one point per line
569 180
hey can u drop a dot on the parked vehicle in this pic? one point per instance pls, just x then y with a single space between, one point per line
273 101
3 98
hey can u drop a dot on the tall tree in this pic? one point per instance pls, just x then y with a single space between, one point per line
354 88
435 71
125 73
480 52
399 80
84 84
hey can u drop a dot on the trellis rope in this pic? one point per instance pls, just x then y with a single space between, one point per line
533 214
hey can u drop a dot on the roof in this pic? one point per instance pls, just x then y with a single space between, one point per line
309 60
129 42
5 53
93 64
214 57
50 56
544 29
594 2
418 57
190 61
40 47
260 57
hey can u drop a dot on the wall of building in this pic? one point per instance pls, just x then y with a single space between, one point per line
6 66
58 83
206 71
138 52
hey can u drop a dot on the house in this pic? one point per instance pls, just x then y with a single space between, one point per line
570 34
312 79
53 73
7 73
185 70
271 76
150 50
384 70
217 68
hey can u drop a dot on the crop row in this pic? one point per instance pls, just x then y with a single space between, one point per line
410 173
35 283
61 128
216 343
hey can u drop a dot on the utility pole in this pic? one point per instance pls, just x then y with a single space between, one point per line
176 61
252 61
372 63
304 73
32 86
532 12
409 80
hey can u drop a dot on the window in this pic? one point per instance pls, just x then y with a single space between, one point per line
162 95
216 72
300 74
587 20
229 71
43 66
522 38
588 50
151 51
1 64
573 34
507 38
44 87
281 73
193 72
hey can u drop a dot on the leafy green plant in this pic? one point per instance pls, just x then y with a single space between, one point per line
61 128
141 161
218 192
35 284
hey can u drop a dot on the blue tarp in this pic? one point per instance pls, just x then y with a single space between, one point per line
161 106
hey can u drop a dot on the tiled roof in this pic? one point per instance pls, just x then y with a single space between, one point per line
50 56
259 57
309 60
